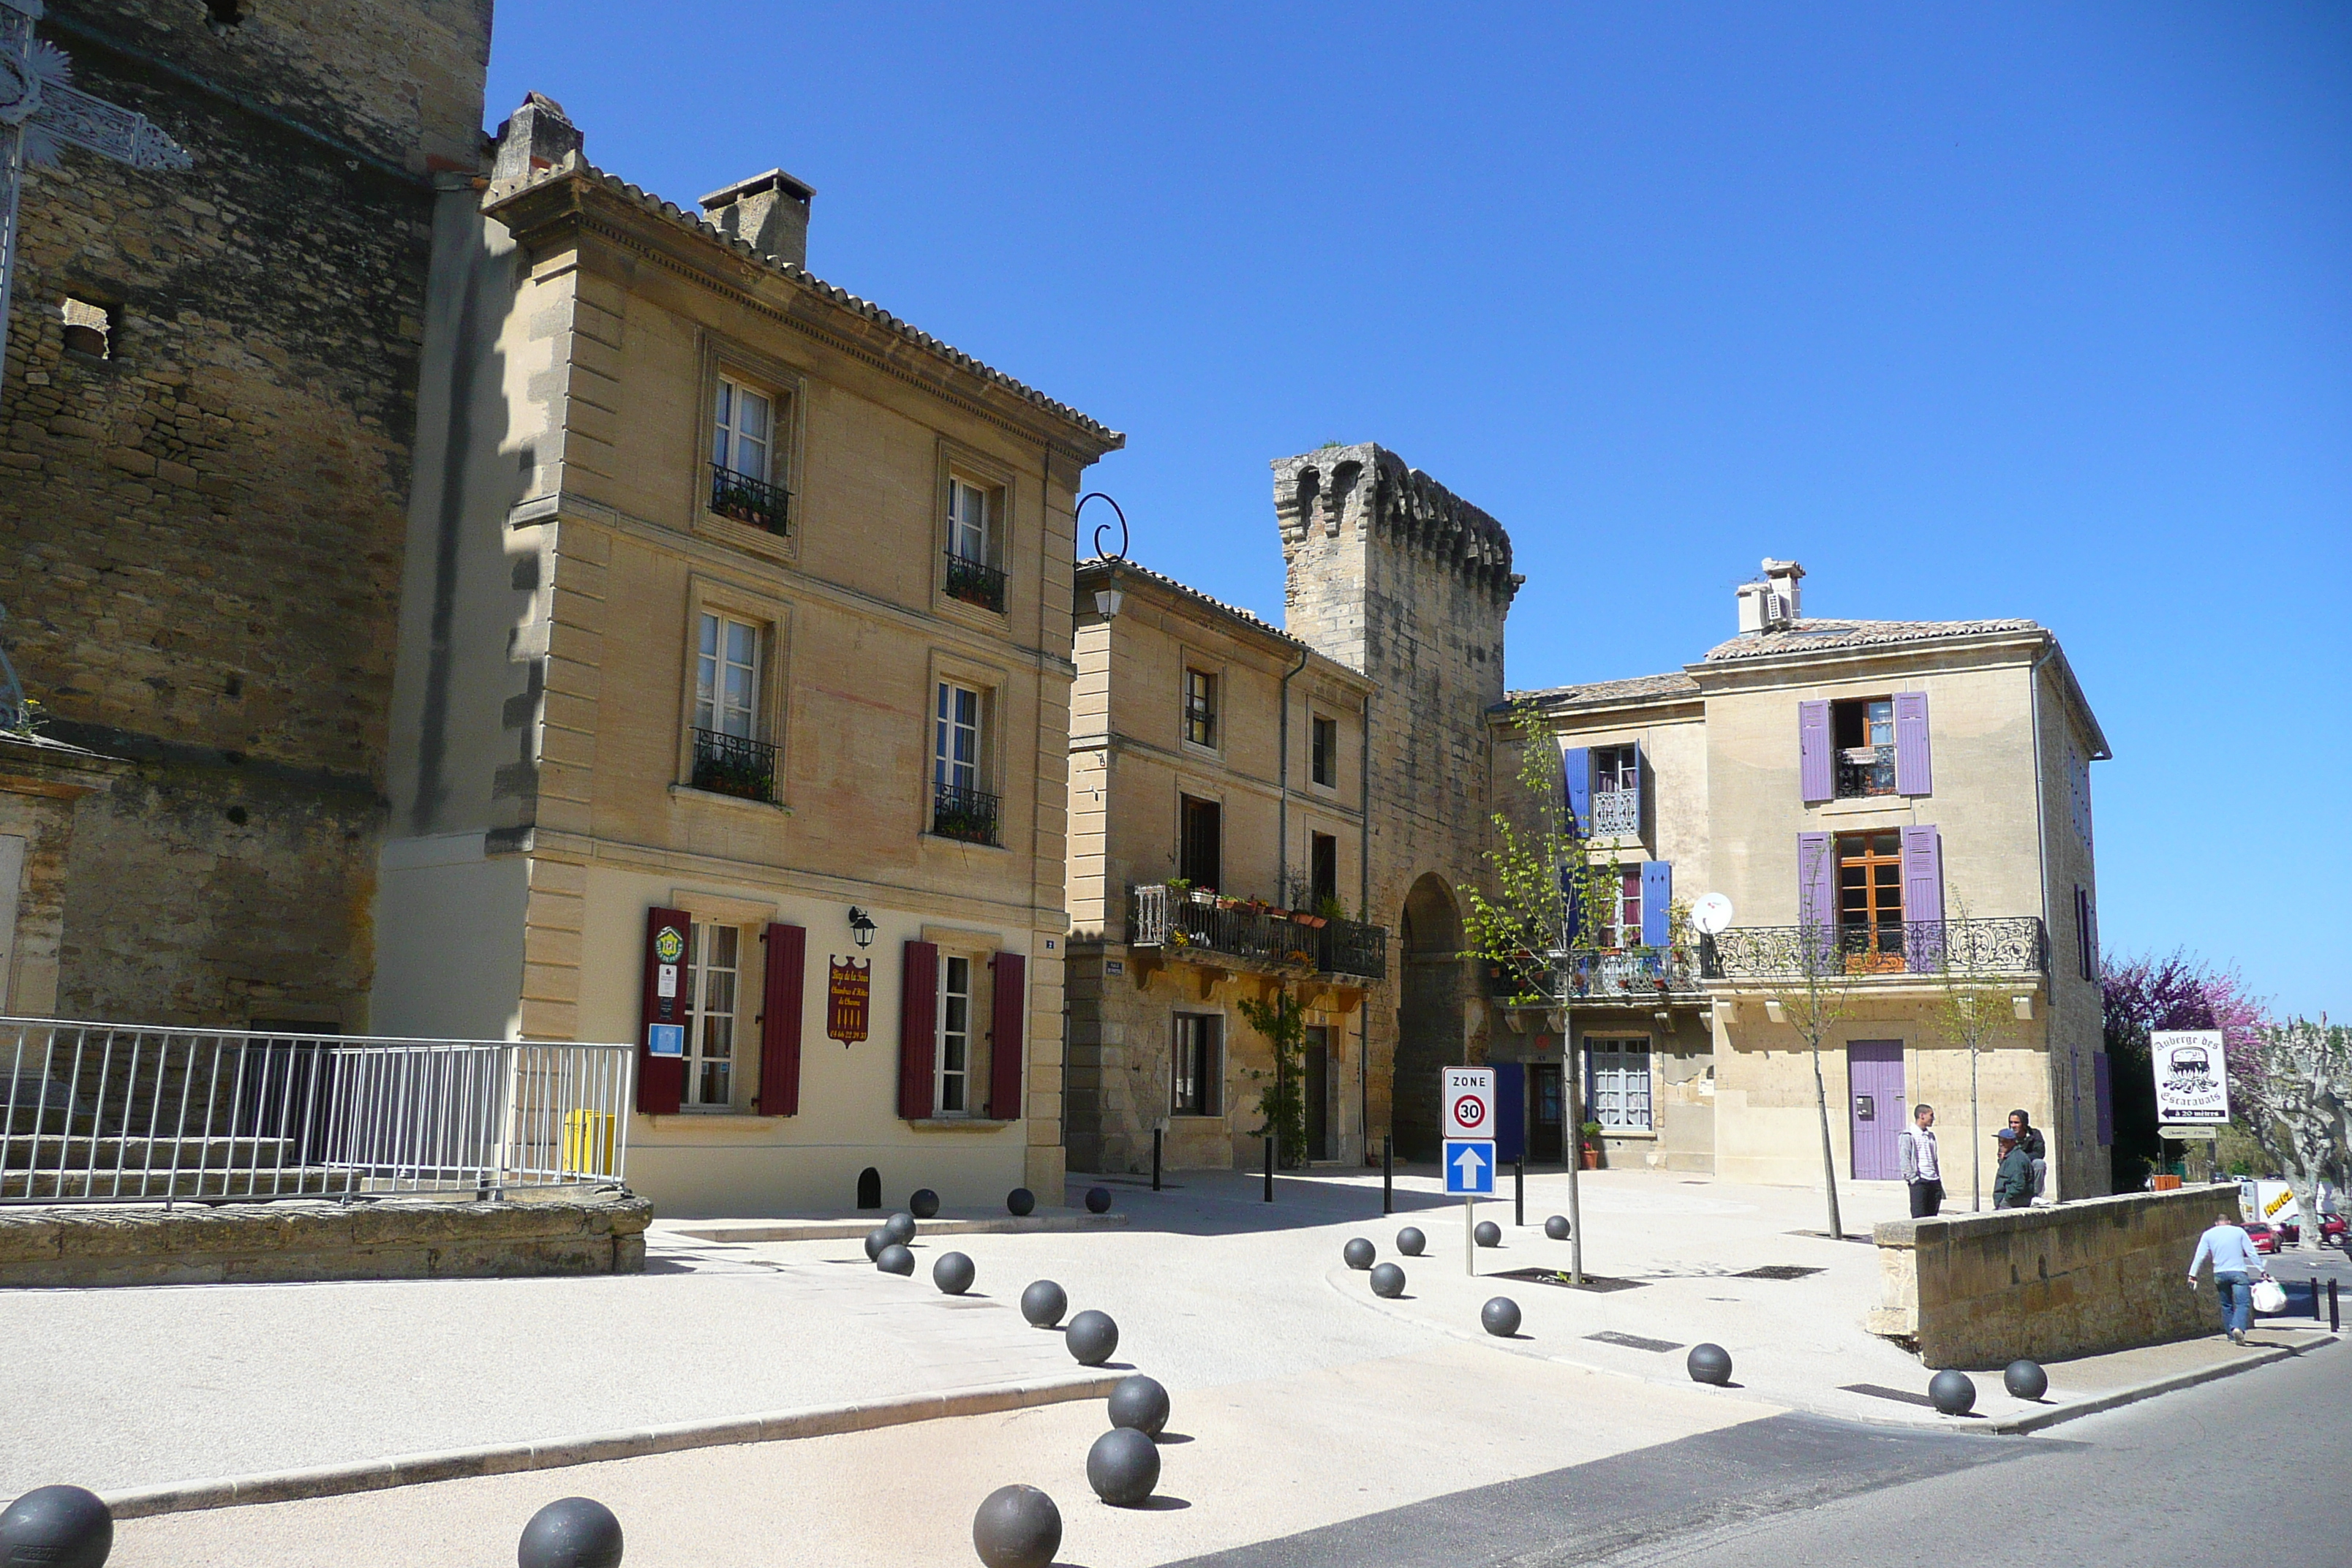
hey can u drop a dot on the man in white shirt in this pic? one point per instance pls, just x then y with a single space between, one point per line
1922 1167
2235 1268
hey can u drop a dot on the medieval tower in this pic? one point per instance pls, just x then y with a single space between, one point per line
1391 573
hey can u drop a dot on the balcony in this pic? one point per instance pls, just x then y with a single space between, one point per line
1179 921
1617 814
1632 974
734 764
1967 949
957 812
747 499
1865 770
975 582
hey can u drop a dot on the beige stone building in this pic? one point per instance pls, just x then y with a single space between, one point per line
1921 790
1217 851
733 696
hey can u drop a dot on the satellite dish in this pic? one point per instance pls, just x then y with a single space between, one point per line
1711 914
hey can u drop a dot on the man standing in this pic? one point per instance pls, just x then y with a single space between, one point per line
2012 1183
1922 1167
2234 1268
2030 1137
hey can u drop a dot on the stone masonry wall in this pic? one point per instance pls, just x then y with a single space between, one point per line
208 521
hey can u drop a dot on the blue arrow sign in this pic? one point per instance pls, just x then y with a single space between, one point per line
1470 1168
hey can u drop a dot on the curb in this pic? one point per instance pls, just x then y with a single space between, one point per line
2116 1397
854 1229
556 1453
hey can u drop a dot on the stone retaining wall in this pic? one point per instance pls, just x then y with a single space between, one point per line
2105 1274
396 1238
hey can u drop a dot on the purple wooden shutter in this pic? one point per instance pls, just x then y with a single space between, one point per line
661 1079
1923 899
919 1025
1913 773
1009 1004
1657 894
1816 880
2104 1086
1813 770
1576 763
780 1021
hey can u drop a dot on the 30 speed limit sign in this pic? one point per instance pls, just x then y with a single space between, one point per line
1469 1102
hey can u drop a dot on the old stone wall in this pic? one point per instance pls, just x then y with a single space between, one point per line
1982 1289
207 516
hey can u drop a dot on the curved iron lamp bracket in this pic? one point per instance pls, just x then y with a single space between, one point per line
1100 528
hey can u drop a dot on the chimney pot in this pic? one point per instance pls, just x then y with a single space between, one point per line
768 212
538 136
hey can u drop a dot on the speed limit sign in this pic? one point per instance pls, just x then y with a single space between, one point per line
1469 1108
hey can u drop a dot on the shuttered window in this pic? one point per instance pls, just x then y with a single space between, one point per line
1617 1084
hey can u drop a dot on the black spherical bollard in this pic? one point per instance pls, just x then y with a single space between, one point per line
901 1227
1709 1363
876 1240
1092 1337
1017 1527
1123 1466
924 1205
66 1526
1359 1253
1019 1203
1098 1200
571 1533
1409 1241
1488 1234
1500 1317
1044 1303
1555 1227
2025 1379
895 1259
1388 1280
1139 1401
1952 1392
954 1273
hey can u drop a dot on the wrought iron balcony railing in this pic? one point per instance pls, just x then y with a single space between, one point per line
1622 974
975 582
734 764
747 499
1175 920
962 813
1617 813
1864 771
2011 945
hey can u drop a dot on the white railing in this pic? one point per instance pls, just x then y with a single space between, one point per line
1617 814
114 1113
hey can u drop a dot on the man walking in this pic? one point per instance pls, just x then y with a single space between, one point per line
1921 1165
2012 1183
2234 1268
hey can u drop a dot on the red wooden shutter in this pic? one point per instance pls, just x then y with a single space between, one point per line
1006 1046
1815 772
661 1075
1914 774
780 1021
918 1029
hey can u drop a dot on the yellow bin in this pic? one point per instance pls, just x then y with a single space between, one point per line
587 1144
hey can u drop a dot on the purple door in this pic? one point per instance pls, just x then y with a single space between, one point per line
1873 1076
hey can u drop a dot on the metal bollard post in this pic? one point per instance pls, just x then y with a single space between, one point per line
1519 1192
1388 1173
2335 1322
1269 1169
1157 1135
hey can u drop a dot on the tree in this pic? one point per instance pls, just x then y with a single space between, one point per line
2144 994
1818 1001
1283 1102
1971 1008
2302 1112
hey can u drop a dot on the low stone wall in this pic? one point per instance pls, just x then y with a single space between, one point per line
2103 1274
599 1231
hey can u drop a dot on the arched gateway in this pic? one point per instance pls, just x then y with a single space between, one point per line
1429 995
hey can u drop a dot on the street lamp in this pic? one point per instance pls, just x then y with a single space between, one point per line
1108 599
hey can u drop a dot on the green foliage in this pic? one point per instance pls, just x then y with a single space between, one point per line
1547 883
1282 1103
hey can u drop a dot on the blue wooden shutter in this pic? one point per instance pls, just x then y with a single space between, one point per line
1570 889
1814 773
1923 899
1576 762
1657 894
1641 790
1510 1113
1913 773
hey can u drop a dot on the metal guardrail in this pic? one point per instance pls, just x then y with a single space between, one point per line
2009 945
733 764
975 582
747 499
108 1113
1617 814
1173 920
966 814
1864 771
1598 975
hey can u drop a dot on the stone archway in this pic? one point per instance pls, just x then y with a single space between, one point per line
1429 1013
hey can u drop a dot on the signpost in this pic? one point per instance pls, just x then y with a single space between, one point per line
1467 1117
2192 1090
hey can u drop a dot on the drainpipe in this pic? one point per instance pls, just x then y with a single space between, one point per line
2042 850
1282 811
1363 906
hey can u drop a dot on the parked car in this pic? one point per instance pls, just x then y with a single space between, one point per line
2334 1232
2263 1234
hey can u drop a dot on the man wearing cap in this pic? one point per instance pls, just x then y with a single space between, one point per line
2012 1183
2235 1268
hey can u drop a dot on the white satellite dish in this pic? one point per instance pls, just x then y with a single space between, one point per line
1711 914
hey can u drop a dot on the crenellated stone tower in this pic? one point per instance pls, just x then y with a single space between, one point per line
1391 573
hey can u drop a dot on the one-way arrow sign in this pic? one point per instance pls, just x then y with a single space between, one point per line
1470 1168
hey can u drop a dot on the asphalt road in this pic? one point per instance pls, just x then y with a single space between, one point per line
2156 1484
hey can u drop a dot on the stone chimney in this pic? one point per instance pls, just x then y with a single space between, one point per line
537 137
1776 600
768 212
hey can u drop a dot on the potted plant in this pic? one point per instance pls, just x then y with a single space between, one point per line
1590 1148
1309 918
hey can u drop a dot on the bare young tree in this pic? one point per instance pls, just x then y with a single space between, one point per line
1971 1008
2302 1111
1817 1001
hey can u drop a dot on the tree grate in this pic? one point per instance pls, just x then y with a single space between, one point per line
1775 1271
1634 1341
1594 1282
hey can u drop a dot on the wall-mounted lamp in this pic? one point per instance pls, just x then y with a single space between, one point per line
861 926
1108 599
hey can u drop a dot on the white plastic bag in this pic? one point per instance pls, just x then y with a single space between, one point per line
2270 1296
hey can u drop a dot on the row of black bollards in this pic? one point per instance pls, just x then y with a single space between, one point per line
68 1527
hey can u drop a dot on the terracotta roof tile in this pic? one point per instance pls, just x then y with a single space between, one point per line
1813 632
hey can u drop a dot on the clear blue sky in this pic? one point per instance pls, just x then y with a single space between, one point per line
1984 309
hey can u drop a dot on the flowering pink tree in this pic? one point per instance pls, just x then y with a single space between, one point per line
2145 994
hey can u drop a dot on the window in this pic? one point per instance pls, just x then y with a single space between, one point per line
1862 731
966 521
1201 841
90 329
955 1037
975 572
1617 1075
1870 893
710 1016
1617 791
744 433
1195 1076
1625 929
1200 708
728 756
960 807
1325 750
1323 870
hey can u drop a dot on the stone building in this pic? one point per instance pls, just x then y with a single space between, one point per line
733 695
1217 848
1898 812
206 440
